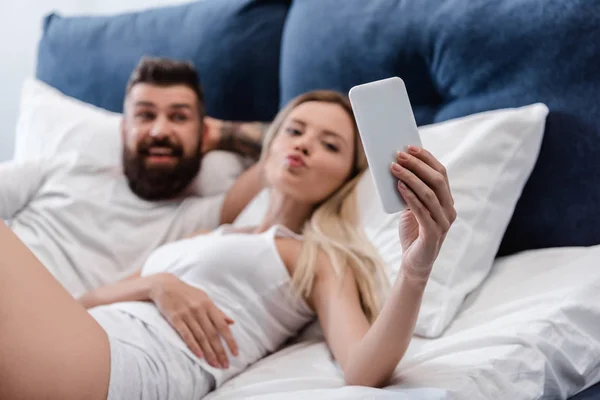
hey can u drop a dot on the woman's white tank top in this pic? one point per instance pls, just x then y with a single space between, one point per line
246 278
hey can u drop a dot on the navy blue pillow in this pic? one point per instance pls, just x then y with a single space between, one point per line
459 58
233 43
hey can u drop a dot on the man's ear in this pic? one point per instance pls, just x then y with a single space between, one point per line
205 130
122 128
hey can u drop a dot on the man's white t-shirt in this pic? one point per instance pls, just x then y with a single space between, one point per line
85 225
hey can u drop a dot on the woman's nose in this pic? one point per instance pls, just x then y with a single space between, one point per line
302 148
304 144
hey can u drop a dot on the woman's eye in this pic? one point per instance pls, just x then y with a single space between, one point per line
332 147
293 131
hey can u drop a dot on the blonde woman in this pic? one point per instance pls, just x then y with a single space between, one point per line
307 259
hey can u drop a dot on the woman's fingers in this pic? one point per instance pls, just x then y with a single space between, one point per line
213 339
222 323
428 198
418 208
202 338
429 159
430 171
187 335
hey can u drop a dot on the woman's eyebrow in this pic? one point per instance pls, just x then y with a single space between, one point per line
325 131
331 133
299 122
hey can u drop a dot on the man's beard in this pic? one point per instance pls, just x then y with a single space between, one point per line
160 182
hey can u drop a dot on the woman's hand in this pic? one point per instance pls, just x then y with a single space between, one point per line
88 300
195 317
423 184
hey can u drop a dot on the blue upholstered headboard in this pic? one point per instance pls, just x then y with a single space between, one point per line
233 43
457 57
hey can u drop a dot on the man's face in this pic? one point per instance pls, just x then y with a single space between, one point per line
162 136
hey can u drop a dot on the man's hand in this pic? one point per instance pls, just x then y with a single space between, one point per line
195 317
212 136
243 138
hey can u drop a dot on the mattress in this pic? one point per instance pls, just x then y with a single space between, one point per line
531 331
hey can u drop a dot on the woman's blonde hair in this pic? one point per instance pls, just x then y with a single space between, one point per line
334 227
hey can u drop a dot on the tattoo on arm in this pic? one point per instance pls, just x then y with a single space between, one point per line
244 138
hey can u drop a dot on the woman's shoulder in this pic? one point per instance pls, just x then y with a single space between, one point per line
290 250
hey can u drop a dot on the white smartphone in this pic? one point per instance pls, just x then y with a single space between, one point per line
387 125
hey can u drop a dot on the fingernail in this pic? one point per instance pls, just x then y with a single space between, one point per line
396 167
403 156
413 149
401 185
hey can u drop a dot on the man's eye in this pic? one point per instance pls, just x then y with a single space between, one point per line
145 115
179 117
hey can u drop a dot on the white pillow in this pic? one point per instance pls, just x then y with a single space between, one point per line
489 157
51 123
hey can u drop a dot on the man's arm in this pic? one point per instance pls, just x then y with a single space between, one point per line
19 182
243 138
243 190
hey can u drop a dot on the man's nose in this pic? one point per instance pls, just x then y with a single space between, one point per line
160 127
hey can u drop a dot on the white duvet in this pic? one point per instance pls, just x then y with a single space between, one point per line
531 331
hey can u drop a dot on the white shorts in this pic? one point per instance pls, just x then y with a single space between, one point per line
145 367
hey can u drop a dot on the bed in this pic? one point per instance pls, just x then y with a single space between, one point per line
528 330
506 343
530 327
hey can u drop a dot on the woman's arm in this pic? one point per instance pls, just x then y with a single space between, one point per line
369 355
132 288
189 310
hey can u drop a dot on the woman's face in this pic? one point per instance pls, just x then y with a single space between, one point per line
312 155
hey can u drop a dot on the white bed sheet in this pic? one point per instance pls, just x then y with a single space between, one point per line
531 331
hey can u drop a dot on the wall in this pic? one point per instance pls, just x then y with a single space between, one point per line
20 30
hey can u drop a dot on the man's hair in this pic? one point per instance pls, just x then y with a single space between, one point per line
167 72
